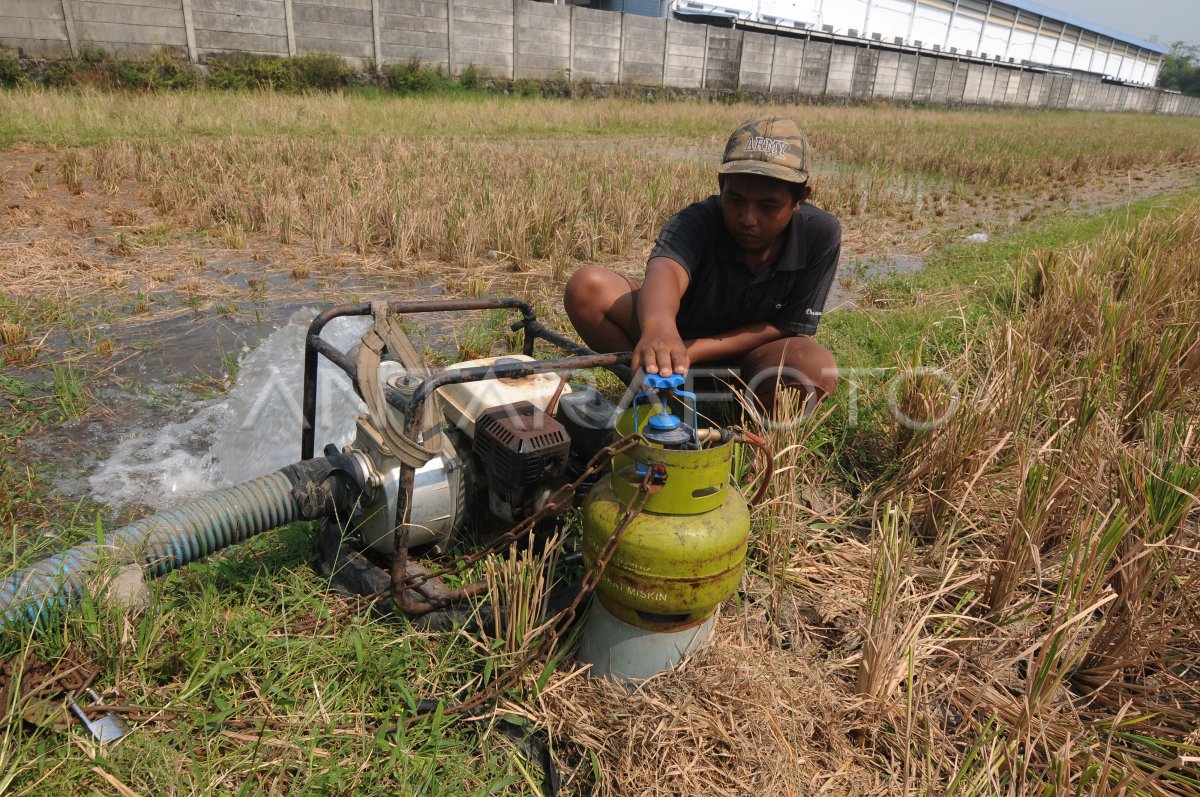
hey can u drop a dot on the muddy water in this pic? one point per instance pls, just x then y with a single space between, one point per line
200 444
182 344
854 273
158 435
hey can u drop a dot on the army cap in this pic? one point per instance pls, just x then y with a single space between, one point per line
771 146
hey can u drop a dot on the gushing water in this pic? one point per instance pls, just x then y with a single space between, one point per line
253 430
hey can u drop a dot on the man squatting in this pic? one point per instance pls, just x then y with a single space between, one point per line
738 279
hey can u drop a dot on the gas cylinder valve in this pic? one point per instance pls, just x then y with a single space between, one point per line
663 427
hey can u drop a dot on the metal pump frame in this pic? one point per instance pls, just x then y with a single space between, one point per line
579 357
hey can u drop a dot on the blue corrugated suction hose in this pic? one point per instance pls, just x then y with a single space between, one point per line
160 542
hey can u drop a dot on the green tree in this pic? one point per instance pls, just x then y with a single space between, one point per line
1181 69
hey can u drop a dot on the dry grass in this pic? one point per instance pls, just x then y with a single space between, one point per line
1015 612
1061 498
452 201
12 333
479 189
488 182
516 206
51 266
1006 148
518 589
741 717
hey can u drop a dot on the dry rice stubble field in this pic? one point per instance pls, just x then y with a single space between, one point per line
882 644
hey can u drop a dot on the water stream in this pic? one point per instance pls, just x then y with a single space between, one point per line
252 430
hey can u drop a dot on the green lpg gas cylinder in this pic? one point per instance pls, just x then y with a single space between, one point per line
684 553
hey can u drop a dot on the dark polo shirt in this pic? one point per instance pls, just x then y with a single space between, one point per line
723 294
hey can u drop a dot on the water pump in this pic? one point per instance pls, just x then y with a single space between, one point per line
502 442
512 431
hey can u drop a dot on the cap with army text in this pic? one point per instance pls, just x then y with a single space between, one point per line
770 146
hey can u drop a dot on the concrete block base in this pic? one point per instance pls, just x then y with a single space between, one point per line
627 654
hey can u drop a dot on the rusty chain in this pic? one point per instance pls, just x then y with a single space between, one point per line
567 616
557 503
26 677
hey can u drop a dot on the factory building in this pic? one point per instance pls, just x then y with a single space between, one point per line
1017 31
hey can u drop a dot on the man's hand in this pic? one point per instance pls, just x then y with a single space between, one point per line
661 351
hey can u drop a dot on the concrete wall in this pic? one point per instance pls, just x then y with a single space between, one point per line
839 80
414 29
686 45
35 26
643 50
1012 85
543 40
758 61
814 75
343 27
906 77
482 36
787 65
723 66
887 66
924 79
528 39
254 26
866 64
596 45
943 72
127 28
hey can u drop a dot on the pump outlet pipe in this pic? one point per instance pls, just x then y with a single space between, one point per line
174 537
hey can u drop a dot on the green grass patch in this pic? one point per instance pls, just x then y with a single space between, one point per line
414 77
963 285
232 696
11 74
98 68
39 389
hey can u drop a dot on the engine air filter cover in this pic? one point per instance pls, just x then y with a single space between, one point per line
521 448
